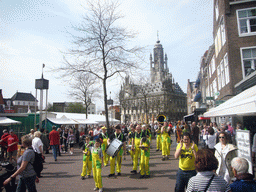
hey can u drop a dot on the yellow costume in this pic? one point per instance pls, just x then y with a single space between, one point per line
87 162
165 142
187 158
103 147
96 167
117 159
137 150
158 140
144 160
131 137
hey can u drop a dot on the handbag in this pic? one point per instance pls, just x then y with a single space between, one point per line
208 185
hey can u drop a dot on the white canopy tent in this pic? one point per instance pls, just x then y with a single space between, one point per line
80 118
243 104
62 121
4 121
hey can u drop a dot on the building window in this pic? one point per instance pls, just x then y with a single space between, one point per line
222 73
219 77
220 38
210 71
217 10
213 64
18 103
226 68
247 21
24 103
249 61
214 87
223 32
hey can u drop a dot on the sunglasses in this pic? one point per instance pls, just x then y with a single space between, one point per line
222 137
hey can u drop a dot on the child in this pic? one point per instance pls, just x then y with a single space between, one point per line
144 160
87 160
97 163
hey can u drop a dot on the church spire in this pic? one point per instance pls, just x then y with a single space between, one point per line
158 41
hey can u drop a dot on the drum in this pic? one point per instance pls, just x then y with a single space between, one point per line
114 147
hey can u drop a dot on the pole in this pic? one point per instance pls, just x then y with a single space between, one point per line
45 121
41 108
35 110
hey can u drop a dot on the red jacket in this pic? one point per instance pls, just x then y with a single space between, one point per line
54 137
4 143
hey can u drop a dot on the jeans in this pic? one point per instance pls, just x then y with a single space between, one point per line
182 179
54 151
26 183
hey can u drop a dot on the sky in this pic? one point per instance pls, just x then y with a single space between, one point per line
33 32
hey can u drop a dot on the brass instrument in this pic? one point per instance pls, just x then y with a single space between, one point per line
161 119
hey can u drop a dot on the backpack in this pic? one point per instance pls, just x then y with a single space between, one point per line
38 163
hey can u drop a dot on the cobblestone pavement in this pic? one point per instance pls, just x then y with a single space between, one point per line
64 174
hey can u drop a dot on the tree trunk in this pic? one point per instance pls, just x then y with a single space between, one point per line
106 101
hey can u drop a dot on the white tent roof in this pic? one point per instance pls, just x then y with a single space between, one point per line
85 121
4 121
243 104
80 118
62 121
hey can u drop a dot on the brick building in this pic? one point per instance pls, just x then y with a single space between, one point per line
228 66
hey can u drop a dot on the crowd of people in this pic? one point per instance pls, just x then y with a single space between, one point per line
207 153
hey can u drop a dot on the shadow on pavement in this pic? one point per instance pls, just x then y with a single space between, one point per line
126 189
57 175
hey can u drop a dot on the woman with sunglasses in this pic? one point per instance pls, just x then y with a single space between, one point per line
225 152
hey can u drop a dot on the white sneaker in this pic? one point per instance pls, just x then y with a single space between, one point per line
96 188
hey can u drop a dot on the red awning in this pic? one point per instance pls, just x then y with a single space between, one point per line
204 118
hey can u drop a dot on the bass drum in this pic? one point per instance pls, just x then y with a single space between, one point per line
114 147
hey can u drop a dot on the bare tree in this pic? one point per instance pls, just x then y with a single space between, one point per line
84 88
102 50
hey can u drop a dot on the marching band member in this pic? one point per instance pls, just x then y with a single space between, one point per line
135 148
104 137
159 138
131 136
118 159
87 160
165 141
144 160
97 163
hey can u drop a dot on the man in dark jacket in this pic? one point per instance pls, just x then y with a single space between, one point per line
244 180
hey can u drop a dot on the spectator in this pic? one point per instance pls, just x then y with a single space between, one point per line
25 168
59 151
178 132
186 152
215 127
45 140
31 134
4 144
37 145
224 152
206 180
54 138
195 133
244 180
211 140
205 135
71 141
96 133
12 141
65 137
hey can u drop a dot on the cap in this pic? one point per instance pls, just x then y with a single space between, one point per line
103 127
5 131
11 130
